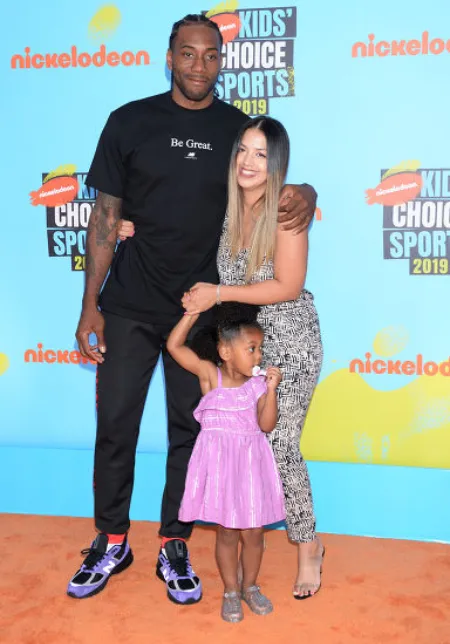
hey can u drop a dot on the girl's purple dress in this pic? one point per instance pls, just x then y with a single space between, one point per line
232 478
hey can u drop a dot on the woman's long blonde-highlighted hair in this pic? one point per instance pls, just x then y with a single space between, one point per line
262 246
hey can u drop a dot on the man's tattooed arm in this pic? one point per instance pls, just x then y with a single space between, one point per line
100 244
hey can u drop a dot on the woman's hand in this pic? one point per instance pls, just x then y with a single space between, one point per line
125 229
201 297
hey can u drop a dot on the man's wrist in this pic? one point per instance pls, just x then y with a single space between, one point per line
90 302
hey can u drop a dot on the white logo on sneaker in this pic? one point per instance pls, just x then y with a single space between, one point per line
109 567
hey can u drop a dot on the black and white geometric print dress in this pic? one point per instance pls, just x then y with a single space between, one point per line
293 343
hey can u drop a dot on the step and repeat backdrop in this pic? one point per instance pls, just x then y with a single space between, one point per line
361 88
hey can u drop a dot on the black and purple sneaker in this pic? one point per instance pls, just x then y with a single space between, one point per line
174 568
98 566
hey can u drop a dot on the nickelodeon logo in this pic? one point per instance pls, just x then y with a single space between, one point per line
415 367
398 185
51 356
413 47
226 19
228 23
58 188
101 26
78 59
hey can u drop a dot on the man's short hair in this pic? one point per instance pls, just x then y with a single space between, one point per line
193 19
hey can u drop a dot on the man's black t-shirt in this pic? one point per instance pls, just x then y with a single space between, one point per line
169 165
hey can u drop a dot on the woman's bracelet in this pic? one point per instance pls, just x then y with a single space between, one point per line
218 300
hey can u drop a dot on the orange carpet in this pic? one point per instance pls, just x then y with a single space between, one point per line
373 590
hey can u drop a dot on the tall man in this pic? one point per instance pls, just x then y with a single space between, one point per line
162 163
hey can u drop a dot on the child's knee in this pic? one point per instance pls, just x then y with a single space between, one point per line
253 536
227 536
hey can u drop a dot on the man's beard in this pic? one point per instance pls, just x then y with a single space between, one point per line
196 96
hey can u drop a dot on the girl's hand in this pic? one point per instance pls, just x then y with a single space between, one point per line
273 378
125 229
200 298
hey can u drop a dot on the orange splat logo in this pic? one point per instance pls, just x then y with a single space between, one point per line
398 185
56 192
226 19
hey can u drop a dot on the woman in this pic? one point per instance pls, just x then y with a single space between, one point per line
261 263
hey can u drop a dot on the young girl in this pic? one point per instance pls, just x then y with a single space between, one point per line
232 478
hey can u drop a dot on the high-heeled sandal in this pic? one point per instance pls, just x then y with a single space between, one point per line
310 594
